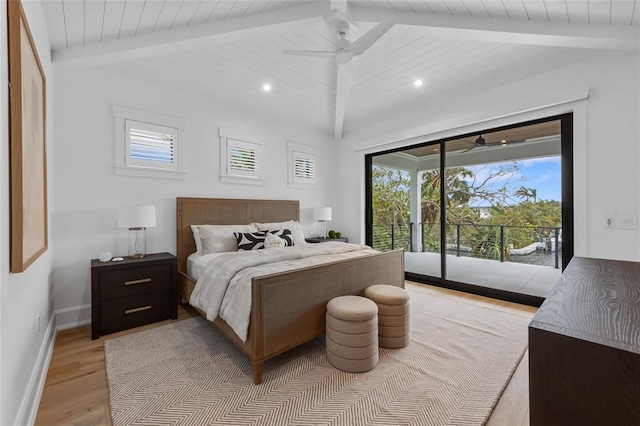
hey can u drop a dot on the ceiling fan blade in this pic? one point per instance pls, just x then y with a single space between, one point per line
315 53
359 46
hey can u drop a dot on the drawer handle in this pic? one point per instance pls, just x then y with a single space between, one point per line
134 310
144 280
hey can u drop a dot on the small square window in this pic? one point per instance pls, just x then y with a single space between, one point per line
149 144
240 158
243 158
302 165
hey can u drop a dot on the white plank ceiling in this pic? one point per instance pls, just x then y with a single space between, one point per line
228 50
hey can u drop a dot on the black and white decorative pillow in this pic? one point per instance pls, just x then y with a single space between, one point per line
285 234
250 240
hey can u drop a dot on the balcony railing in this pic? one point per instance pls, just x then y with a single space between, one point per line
475 240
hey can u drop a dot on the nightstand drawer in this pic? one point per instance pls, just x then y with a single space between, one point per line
133 281
121 314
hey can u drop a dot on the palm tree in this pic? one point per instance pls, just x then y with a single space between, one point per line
527 193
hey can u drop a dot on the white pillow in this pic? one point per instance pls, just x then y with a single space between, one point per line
218 238
272 241
293 225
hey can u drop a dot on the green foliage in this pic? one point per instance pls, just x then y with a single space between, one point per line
520 212
391 204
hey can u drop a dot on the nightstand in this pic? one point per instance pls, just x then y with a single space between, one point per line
132 292
325 240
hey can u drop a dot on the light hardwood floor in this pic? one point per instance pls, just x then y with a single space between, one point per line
75 392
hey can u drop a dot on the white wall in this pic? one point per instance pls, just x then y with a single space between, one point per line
606 142
88 193
23 296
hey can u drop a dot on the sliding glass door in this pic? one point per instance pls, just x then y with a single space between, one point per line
489 212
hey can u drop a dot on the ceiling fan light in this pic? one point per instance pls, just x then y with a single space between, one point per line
417 83
266 87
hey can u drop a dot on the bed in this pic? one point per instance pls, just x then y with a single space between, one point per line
288 308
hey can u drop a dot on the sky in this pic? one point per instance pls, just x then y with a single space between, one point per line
542 174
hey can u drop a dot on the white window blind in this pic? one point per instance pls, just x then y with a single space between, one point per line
303 165
243 158
150 145
304 168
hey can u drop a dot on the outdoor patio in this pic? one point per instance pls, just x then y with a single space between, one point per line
510 276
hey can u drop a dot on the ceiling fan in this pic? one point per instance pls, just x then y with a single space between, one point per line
480 141
345 50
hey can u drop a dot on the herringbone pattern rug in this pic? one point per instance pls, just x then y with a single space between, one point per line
460 358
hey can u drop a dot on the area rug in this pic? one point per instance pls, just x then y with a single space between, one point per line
460 358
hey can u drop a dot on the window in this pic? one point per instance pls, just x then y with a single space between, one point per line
240 158
302 165
244 158
149 144
304 168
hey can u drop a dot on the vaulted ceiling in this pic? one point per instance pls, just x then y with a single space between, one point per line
229 49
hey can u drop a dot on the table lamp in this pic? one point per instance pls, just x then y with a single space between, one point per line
322 215
137 219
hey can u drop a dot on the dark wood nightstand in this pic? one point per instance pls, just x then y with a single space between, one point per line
325 240
132 292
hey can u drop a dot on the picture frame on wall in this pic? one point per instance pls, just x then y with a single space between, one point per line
27 143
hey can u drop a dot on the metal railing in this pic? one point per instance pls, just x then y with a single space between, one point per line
473 240
392 236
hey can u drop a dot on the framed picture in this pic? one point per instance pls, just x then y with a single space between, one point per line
28 159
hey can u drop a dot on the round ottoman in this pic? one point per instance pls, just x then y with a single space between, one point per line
393 314
352 333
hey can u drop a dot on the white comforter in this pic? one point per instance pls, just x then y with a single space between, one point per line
224 289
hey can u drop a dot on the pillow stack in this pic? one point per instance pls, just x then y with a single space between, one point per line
225 238
258 240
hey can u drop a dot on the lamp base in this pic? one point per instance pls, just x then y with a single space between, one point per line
137 243
324 229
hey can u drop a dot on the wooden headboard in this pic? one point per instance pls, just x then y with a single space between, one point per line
224 211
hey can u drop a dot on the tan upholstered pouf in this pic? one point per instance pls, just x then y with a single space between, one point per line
393 314
352 333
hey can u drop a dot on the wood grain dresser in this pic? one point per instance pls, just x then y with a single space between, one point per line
584 347
132 292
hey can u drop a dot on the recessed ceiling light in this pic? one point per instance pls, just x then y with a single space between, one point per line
266 87
417 83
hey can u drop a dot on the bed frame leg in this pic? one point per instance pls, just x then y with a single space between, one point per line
257 372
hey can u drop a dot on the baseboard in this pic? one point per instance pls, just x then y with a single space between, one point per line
73 317
29 407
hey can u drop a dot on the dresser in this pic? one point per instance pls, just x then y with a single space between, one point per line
132 292
584 347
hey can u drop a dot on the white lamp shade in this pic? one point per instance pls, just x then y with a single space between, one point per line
322 213
137 216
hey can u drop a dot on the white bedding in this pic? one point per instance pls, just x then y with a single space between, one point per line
196 262
224 284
